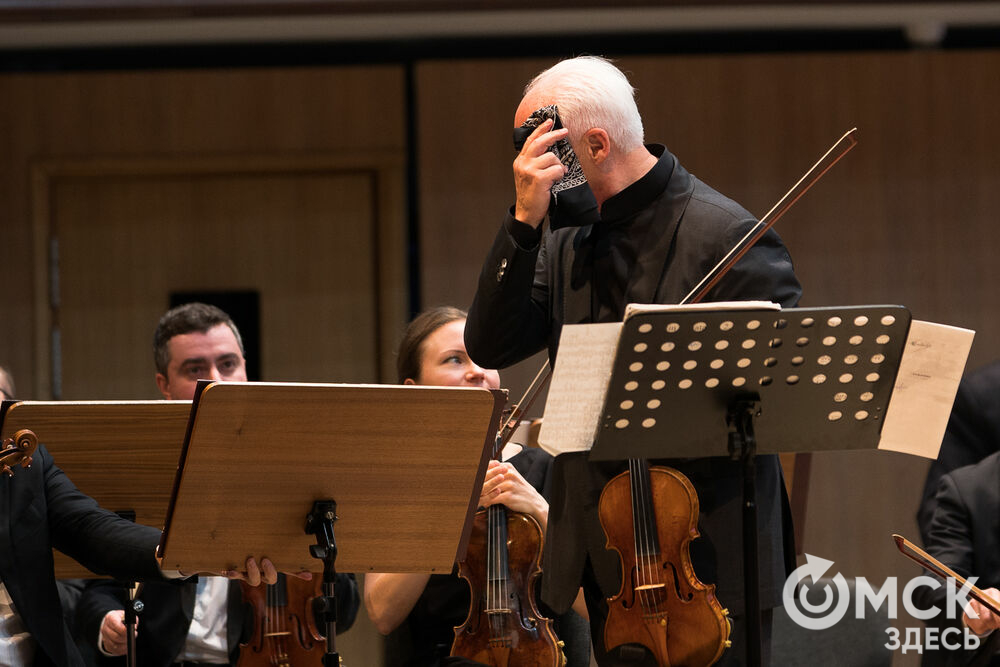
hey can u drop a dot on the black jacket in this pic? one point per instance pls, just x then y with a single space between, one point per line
41 509
526 294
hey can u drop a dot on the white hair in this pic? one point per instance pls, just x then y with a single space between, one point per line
591 92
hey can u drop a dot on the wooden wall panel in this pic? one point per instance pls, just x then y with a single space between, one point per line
242 115
303 239
906 218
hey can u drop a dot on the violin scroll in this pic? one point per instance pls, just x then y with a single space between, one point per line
19 449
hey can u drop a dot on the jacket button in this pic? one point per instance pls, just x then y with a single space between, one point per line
501 269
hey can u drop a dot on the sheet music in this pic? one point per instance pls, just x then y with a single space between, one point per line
929 373
579 383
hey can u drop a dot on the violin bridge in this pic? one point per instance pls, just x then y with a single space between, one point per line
649 587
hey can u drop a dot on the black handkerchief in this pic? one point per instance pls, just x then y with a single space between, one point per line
572 202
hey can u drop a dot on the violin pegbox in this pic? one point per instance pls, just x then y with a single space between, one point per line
18 450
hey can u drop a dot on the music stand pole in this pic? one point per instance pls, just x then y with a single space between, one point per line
133 606
319 522
743 448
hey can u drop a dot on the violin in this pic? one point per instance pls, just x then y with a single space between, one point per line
18 450
504 627
650 515
284 626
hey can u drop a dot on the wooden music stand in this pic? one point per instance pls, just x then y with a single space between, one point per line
121 453
398 468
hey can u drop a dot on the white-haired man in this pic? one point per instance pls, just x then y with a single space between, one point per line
628 224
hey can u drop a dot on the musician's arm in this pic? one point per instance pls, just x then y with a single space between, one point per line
390 597
509 318
949 540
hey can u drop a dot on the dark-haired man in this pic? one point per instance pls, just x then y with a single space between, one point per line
203 622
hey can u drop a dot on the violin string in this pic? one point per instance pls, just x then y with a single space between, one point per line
653 548
498 587
644 541
636 522
502 537
268 624
502 570
491 570
649 525
499 559
494 572
279 610
638 518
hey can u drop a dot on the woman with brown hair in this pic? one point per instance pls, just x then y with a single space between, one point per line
420 611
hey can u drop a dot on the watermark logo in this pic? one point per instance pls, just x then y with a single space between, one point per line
827 613
837 597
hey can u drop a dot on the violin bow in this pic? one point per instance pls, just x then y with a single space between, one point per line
928 562
816 172
523 405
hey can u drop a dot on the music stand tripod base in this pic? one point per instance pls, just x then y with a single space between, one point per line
319 522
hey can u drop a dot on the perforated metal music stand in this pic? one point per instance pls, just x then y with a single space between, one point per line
823 378
697 383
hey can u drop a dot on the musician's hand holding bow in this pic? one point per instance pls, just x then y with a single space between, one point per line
986 621
504 485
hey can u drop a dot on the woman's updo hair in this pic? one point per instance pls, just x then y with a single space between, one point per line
410 353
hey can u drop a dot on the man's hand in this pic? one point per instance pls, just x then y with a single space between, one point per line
254 574
987 621
265 573
504 485
113 637
536 170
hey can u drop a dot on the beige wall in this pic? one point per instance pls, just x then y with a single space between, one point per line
906 218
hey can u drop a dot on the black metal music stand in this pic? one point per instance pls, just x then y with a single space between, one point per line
697 383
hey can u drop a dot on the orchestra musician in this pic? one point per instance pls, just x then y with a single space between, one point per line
41 509
420 611
632 226
203 621
963 534
973 433
69 589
